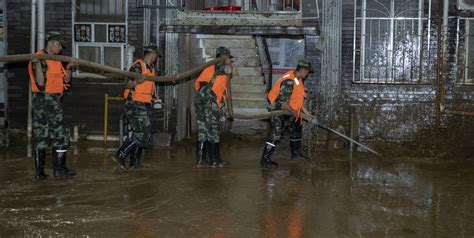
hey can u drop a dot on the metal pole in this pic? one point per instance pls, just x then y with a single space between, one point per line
29 128
41 27
106 119
121 130
350 139
442 63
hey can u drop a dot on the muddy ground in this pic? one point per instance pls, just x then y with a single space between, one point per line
332 195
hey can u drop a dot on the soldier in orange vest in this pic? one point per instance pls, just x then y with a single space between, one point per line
211 86
287 94
139 95
48 80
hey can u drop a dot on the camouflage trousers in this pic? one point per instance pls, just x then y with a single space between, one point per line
279 124
48 121
139 117
207 115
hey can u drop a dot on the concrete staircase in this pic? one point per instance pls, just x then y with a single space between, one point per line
247 83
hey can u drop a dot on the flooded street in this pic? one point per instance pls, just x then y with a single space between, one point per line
330 196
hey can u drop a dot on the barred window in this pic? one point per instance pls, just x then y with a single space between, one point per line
390 48
100 31
100 10
468 69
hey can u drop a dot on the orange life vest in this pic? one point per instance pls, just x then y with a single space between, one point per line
143 91
297 96
219 87
54 76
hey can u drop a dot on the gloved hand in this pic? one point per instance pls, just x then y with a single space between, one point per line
66 86
157 103
314 121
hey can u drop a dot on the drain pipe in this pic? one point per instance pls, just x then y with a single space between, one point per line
29 128
442 63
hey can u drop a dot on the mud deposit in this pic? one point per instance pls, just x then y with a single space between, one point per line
330 196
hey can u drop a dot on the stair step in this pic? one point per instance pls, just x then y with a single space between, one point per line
246 62
251 96
249 111
247 88
240 53
255 99
241 62
248 71
237 103
257 80
204 36
229 43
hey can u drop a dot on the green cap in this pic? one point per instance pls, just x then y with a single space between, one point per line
305 64
55 36
223 50
151 48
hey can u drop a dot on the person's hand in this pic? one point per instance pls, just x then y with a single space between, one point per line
34 58
140 80
285 106
73 63
314 121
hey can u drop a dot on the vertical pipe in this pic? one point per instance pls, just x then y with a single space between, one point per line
41 25
429 36
391 41
29 127
106 117
442 63
362 40
354 42
121 131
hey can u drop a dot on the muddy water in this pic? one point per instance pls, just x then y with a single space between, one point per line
330 196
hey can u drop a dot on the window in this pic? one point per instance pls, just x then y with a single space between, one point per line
468 76
285 52
391 48
100 32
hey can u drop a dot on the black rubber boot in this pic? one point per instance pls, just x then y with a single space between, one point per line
123 152
59 163
201 154
39 164
296 150
215 160
135 157
266 160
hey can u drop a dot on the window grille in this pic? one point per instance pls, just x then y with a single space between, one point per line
100 32
391 42
466 50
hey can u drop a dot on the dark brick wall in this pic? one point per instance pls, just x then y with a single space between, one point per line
135 26
392 112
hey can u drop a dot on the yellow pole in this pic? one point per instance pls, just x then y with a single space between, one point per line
106 119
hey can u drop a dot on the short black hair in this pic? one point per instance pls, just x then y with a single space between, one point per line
301 67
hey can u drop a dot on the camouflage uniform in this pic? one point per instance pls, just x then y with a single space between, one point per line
48 112
48 121
207 115
48 118
210 88
285 93
138 115
279 123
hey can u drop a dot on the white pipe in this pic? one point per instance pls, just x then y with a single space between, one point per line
29 127
445 23
41 27
101 138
